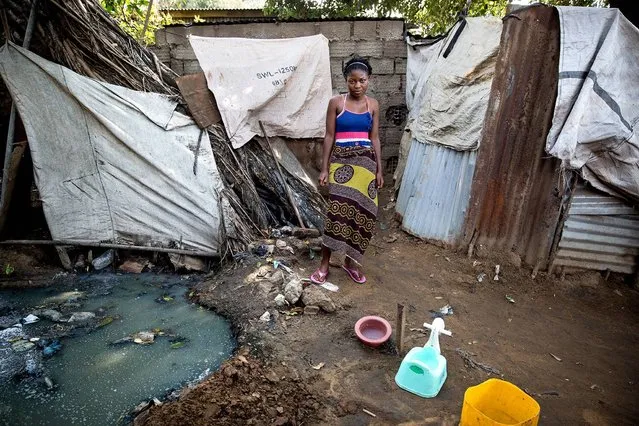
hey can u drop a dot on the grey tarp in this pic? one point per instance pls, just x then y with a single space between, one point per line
452 95
113 164
594 126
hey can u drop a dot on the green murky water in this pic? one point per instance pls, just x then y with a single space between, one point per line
97 383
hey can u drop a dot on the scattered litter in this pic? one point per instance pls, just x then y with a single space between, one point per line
369 413
510 299
178 345
22 346
383 226
391 239
34 339
30 319
330 286
242 359
431 275
104 260
443 311
438 297
421 330
49 383
471 363
133 266
52 348
311 254
594 387
481 277
447 259
105 321
81 316
318 366
618 293
476 263
157 402
554 356
143 337
389 206
497 269
277 264
266 317
548 393
280 244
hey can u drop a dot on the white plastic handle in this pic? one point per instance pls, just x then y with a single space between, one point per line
439 330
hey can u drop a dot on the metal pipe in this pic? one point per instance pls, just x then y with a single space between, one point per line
85 243
12 118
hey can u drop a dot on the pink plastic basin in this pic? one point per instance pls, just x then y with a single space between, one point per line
373 330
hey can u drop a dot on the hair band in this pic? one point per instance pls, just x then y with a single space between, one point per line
355 63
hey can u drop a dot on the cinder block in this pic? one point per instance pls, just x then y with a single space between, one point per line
369 49
160 37
176 35
183 52
390 84
163 53
298 29
400 65
364 30
391 30
395 49
177 66
337 66
382 65
341 49
389 150
336 30
192 67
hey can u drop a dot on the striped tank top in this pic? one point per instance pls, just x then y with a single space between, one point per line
352 128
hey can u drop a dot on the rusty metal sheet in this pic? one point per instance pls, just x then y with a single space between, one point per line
516 195
199 99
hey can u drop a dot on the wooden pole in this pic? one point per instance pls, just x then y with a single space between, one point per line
401 325
85 243
146 24
279 170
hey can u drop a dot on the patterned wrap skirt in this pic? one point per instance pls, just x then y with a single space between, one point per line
353 201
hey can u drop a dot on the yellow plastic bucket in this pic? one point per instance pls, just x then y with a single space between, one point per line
498 403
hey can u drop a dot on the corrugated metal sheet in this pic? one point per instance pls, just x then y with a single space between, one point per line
601 233
435 191
516 195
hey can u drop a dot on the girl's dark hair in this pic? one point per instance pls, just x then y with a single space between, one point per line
357 64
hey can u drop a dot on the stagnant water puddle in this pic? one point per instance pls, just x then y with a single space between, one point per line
96 382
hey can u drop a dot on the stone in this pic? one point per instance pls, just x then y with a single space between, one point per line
143 337
51 315
311 310
81 316
277 278
514 259
314 296
266 317
189 263
293 291
280 301
306 232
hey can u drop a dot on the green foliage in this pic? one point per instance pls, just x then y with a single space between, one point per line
131 14
433 16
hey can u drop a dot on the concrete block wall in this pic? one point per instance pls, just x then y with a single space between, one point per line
380 41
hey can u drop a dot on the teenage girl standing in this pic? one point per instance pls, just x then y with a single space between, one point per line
352 169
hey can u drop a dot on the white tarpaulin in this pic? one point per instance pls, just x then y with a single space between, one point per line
597 107
451 96
113 164
285 83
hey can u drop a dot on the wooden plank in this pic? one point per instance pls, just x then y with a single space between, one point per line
199 99
12 172
401 325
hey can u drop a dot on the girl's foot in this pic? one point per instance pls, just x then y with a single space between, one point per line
319 277
355 274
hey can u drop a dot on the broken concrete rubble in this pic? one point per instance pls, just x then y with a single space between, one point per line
313 296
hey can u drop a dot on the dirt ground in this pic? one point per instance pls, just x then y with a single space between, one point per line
587 323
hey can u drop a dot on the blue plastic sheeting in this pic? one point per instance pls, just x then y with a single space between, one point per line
433 199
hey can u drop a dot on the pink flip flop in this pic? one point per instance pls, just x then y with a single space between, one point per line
319 277
355 275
